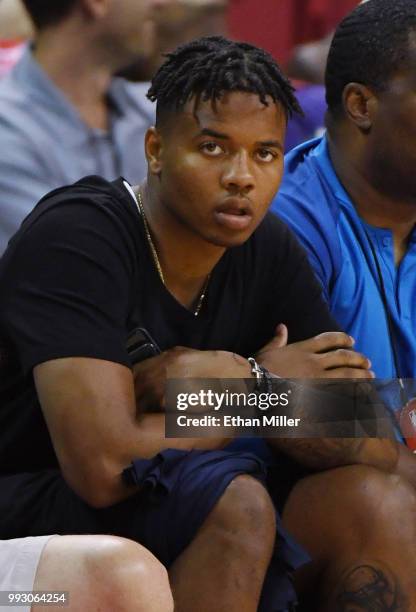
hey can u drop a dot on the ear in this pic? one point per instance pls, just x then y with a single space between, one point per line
360 105
153 146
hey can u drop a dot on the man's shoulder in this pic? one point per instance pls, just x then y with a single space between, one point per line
91 198
18 84
300 160
303 175
306 188
13 96
93 190
309 202
91 205
20 113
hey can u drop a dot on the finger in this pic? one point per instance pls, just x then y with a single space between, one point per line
328 341
349 373
344 358
280 339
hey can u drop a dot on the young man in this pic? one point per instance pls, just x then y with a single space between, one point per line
62 114
191 256
350 196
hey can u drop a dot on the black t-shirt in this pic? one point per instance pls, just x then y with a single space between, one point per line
79 276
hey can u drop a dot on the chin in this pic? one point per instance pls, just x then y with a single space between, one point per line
227 242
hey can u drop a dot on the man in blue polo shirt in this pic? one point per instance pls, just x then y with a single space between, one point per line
351 195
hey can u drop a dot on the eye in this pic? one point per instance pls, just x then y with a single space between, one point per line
266 155
211 148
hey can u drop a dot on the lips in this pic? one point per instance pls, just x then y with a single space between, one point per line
234 214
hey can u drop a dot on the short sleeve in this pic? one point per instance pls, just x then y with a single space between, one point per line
298 295
310 218
66 285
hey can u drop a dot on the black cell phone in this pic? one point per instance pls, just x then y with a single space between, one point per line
140 345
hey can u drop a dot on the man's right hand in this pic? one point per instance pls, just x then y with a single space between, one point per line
328 355
150 375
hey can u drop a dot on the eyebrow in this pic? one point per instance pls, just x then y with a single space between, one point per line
222 136
271 143
213 133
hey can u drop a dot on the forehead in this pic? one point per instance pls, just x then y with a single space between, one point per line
404 77
234 113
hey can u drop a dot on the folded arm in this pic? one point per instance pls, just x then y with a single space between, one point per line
90 408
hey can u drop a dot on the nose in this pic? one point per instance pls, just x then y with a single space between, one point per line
238 176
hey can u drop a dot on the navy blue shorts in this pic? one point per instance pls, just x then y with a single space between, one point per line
179 488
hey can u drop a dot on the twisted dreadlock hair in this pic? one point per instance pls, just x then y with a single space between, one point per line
210 66
369 46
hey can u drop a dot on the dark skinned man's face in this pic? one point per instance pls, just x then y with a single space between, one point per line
221 165
391 147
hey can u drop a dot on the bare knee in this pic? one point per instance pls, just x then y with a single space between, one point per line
247 500
245 515
104 573
376 556
129 577
352 504
366 489
380 496
346 518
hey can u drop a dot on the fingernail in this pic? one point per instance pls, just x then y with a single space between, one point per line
372 374
368 363
352 339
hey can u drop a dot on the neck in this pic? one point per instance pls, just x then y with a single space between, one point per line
77 70
373 206
185 258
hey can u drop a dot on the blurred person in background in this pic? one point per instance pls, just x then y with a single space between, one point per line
307 67
62 114
308 61
178 22
15 29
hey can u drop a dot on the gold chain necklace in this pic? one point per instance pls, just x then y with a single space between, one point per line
156 258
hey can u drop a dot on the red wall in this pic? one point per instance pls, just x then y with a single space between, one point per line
277 25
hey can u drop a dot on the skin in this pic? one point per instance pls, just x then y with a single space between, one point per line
179 22
358 526
223 569
364 142
199 162
103 574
